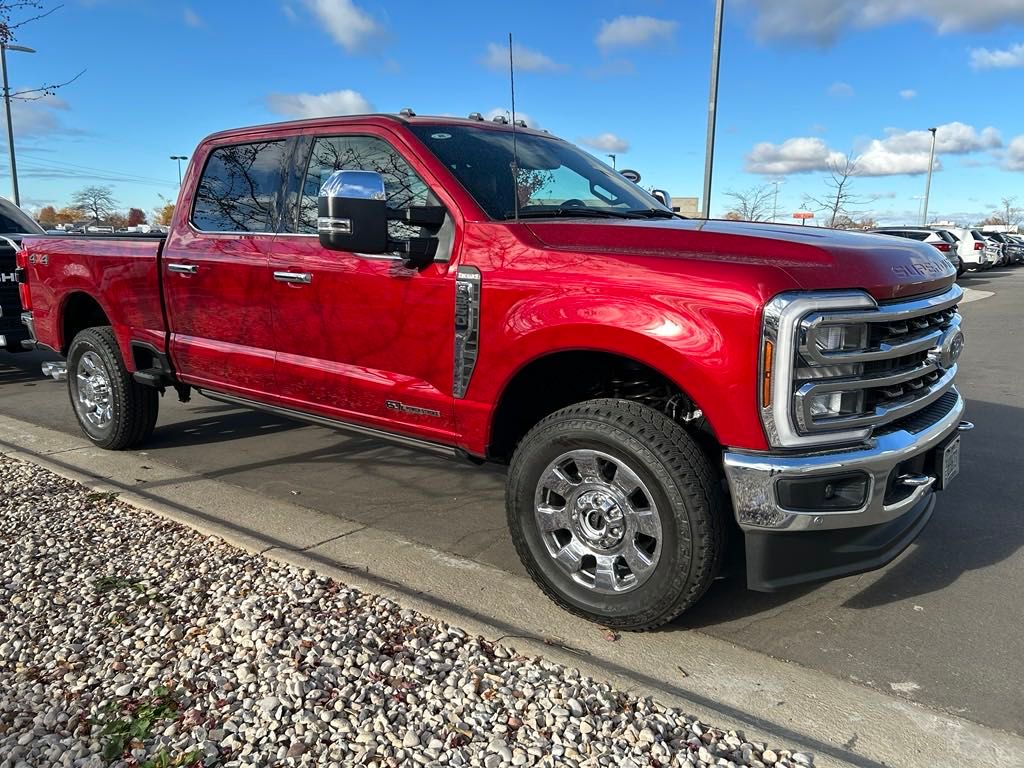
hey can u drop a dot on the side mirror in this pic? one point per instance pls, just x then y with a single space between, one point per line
352 212
662 197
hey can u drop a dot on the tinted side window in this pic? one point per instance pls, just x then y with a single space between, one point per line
240 188
363 153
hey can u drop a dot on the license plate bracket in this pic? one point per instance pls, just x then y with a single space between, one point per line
947 462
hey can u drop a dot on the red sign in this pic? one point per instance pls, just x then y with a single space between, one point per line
803 215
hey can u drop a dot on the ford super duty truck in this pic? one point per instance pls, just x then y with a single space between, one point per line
658 386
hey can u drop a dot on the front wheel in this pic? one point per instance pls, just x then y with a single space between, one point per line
616 513
114 410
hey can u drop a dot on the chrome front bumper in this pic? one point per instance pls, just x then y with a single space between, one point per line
753 477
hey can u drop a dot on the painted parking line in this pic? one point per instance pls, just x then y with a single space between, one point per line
973 294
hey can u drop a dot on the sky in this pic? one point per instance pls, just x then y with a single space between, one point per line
803 83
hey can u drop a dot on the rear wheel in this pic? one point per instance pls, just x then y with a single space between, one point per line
114 410
616 513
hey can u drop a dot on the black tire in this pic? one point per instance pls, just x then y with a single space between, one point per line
133 406
685 488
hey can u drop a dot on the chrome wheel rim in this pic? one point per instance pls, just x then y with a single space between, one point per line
598 521
93 399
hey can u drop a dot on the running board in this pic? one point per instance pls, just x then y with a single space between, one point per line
342 426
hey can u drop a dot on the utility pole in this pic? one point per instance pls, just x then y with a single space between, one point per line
179 158
7 105
775 202
928 184
709 153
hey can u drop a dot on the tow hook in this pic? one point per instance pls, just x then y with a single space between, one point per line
965 426
58 370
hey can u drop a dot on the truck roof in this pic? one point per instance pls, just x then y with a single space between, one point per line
380 119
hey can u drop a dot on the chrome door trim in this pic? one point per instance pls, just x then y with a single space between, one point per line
301 278
183 269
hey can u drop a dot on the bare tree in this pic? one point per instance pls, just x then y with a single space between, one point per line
9 27
1011 214
96 201
754 204
839 203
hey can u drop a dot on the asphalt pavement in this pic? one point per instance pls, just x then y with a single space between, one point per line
940 626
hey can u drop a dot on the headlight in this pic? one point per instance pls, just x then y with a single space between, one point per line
835 404
840 338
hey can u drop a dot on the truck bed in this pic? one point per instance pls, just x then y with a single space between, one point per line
121 269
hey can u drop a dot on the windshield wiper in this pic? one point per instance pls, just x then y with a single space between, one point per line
597 213
655 213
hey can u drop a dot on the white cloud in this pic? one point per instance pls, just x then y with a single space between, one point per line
493 113
822 22
606 142
192 18
908 94
796 155
625 31
954 138
1014 159
350 26
38 117
879 159
840 89
344 102
526 60
983 58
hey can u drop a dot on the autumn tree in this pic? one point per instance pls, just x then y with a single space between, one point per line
69 215
839 201
47 216
97 201
754 204
163 215
136 216
117 220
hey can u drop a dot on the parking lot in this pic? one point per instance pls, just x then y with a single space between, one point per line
939 626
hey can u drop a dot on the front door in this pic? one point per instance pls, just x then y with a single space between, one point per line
216 270
363 338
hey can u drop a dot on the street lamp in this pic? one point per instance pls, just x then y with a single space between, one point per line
709 151
179 158
775 202
928 184
613 160
4 48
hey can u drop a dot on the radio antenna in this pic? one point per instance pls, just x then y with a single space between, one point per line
515 148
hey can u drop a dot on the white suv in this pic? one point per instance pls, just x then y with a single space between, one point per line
976 251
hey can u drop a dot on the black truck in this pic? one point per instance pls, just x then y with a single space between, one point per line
14 223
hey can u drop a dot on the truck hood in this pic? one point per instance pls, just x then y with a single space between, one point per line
815 258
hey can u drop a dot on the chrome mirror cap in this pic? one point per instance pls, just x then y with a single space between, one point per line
358 185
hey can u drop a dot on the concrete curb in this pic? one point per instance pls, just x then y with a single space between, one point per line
769 700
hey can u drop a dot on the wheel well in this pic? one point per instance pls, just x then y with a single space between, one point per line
81 311
561 379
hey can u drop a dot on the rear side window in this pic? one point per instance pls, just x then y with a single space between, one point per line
240 188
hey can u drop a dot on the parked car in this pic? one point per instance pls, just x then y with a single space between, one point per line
655 384
14 225
1009 251
976 251
1018 241
941 239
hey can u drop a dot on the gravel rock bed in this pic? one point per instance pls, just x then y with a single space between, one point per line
129 640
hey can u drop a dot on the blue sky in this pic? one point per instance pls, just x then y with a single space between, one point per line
802 83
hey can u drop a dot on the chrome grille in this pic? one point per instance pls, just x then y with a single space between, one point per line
898 370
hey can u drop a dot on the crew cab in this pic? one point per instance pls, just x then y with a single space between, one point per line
659 387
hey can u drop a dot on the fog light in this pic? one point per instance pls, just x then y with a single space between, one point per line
832 493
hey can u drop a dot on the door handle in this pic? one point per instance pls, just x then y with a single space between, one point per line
183 269
302 278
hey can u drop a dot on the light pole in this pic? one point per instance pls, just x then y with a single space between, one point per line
928 184
709 152
613 161
4 48
179 158
775 202
920 204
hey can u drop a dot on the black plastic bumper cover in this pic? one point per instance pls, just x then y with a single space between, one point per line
779 560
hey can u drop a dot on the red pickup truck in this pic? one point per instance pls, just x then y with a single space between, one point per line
659 387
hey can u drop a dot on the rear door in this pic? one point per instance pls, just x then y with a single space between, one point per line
364 338
216 271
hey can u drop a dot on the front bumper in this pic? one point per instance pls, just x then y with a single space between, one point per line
859 539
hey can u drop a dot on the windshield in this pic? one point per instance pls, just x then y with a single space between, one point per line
555 178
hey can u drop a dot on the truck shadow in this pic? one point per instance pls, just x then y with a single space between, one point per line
976 524
23 367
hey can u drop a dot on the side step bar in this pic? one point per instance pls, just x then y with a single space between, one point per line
342 426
